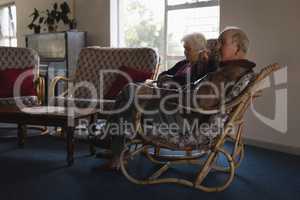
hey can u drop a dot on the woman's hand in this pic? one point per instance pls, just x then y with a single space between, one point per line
149 82
163 79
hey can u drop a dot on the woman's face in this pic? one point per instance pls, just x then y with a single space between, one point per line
190 53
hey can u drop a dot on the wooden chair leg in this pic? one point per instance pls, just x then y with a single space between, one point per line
22 131
188 153
238 151
157 151
92 147
207 168
70 144
60 131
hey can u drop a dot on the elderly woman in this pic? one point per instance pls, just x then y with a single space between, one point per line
195 66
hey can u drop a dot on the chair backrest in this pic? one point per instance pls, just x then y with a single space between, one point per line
94 59
212 44
238 100
21 58
239 105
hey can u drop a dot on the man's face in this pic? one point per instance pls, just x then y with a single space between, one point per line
227 47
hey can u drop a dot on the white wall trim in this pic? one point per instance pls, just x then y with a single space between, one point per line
272 146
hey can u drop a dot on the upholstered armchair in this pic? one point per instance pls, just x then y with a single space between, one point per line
15 62
92 64
92 69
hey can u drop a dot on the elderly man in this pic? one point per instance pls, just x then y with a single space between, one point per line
233 47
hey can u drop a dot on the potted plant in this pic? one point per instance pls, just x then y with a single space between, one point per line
65 10
55 16
36 17
52 18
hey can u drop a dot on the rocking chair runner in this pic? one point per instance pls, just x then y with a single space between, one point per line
209 153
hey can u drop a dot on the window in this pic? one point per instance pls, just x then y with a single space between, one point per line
141 23
8 25
162 24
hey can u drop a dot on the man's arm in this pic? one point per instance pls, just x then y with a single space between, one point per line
205 96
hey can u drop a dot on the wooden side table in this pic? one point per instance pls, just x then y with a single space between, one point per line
46 116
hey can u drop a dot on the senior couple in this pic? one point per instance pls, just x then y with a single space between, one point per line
199 67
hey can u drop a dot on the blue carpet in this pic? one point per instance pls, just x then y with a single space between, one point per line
39 171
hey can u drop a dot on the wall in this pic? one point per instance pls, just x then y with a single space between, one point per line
24 9
93 17
273 28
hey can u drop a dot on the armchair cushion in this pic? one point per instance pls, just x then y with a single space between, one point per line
121 81
8 79
26 100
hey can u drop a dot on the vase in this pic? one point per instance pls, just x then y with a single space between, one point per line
52 28
73 24
37 29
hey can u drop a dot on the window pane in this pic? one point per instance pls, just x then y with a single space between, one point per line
4 42
204 20
13 42
141 23
8 26
4 22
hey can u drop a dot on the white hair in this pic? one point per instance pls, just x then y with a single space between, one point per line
238 36
197 41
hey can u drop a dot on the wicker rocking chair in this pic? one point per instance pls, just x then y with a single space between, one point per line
205 157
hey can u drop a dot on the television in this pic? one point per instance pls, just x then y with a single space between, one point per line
50 46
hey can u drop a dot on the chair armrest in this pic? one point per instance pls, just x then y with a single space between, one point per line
150 81
54 83
40 89
197 110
